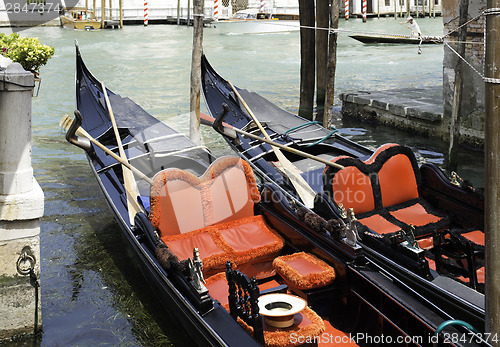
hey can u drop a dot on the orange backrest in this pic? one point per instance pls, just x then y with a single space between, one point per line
379 151
182 202
393 170
349 186
397 180
353 189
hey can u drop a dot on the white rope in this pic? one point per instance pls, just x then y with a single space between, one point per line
465 24
464 60
485 79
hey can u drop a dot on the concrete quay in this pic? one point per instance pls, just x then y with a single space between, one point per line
418 110
21 207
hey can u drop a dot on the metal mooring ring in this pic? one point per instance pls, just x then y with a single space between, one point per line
26 262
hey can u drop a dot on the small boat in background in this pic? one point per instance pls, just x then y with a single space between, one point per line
251 21
79 18
397 39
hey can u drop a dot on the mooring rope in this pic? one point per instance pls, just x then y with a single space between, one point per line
487 12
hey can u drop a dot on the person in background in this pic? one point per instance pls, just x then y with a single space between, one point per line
413 26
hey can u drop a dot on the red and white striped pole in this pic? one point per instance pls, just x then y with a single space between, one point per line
261 5
145 12
346 9
364 11
216 10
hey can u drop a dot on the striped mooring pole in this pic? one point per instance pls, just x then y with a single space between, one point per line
216 10
346 9
145 12
364 11
261 5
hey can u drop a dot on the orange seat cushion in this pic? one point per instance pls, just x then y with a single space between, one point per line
307 326
304 271
379 224
218 288
426 243
241 241
415 215
183 247
476 236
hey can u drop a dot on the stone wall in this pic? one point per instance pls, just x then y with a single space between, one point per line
473 107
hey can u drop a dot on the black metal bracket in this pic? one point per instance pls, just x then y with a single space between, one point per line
220 128
71 136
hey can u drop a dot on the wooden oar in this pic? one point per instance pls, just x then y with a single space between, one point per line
128 177
66 122
208 120
304 190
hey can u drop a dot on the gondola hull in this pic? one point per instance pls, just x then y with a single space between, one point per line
409 266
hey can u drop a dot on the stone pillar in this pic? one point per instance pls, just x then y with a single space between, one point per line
472 110
21 206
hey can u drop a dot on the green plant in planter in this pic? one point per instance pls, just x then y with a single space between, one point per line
27 51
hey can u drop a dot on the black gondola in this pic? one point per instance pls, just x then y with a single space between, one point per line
397 39
349 298
442 258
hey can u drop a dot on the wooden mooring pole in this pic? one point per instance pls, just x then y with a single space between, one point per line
103 13
120 6
457 92
332 64
323 22
492 171
194 108
307 57
178 12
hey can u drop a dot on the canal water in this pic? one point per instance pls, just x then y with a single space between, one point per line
92 293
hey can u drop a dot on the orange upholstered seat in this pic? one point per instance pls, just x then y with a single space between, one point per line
383 191
379 224
214 212
475 236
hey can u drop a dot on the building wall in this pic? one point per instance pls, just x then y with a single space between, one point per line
161 9
473 107
387 7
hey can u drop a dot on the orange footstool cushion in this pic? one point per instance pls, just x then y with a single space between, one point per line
304 271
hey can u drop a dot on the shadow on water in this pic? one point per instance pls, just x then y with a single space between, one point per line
93 292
